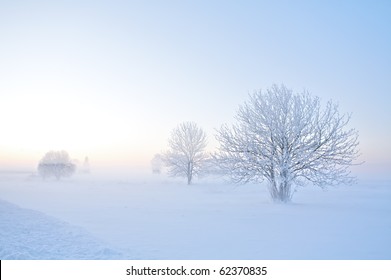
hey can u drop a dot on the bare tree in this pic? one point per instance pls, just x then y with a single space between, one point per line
288 139
186 151
157 163
57 164
86 165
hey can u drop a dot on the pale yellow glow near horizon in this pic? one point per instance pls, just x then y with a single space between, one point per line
35 123
39 122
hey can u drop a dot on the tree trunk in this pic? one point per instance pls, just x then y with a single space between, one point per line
280 191
189 173
285 192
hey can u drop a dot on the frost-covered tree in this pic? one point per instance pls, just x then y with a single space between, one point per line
57 164
86 165
186 155
288 139
157 163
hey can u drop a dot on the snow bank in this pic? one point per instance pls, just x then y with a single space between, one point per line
28 234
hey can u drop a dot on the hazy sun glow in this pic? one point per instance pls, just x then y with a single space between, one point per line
38 122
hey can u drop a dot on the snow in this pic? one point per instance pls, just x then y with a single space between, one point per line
29 234
159 218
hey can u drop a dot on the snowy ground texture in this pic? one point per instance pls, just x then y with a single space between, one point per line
86 218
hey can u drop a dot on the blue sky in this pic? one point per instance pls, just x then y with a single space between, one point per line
110 79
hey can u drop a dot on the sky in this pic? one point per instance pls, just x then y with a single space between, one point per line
111 79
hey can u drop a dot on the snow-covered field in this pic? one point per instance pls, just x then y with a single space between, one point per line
159 218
